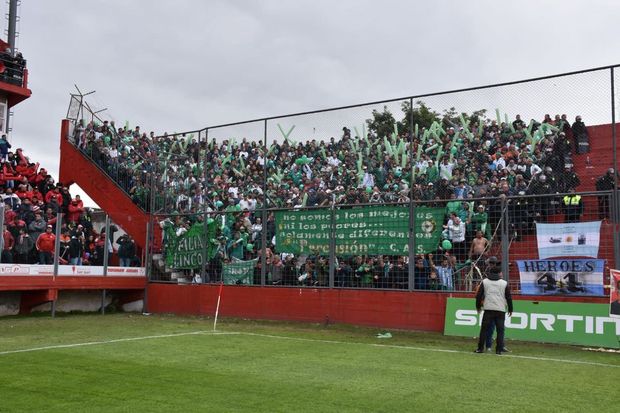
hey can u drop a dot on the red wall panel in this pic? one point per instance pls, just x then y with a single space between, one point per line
387 309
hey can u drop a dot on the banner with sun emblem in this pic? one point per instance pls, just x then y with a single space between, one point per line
561 277
373 230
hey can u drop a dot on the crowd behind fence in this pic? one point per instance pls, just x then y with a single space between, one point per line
495 160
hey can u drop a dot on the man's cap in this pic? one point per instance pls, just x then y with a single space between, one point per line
492 260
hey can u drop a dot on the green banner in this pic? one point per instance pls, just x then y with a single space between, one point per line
239 272
543 321
186 251
365 230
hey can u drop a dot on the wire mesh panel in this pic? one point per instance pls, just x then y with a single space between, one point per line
353 155
560 239
372 246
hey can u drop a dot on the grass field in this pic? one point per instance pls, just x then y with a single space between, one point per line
135 363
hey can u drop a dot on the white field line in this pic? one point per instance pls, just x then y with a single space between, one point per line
435 350
117 340
222 333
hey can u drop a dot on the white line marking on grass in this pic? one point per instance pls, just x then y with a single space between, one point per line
435 350
117 340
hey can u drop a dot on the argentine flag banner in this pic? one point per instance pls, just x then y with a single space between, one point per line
580 239
561 277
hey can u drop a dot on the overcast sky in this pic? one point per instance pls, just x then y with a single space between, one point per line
181 65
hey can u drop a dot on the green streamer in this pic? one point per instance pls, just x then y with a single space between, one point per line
286 135
431 148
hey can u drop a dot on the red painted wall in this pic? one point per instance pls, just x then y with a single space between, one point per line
387 309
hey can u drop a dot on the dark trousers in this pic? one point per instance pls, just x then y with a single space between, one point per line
45 258
498 318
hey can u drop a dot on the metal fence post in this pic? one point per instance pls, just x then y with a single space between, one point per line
411 232
59 218
106 256
205 233
147 260
332 247
505 231
263 233
1 226
615 212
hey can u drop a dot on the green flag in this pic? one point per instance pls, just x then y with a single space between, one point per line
238 271
186 251
365 230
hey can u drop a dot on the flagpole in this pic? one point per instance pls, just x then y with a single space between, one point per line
217 308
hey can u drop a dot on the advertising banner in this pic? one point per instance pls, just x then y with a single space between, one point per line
579 239
70 270
614 294
584 324
561 277
364 230
238 271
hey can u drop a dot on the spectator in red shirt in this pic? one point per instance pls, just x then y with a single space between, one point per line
45 245
7 246
54 193
76 208
23 192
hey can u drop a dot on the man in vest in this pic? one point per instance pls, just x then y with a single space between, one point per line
494 297
573 206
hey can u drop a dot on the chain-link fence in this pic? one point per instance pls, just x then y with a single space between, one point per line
474 170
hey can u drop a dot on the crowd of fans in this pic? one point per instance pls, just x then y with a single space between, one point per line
468 167
32 201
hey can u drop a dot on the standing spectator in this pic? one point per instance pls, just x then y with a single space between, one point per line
100 243
494 297
75 209
421 274
37 227
126 250
581 136
479 246
45 245
24 245
605 183
456 233
4 147
7 246
445 272
76 249
11 199
573 206
63 249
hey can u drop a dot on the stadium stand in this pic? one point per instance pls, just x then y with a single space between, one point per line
32 201
470 167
